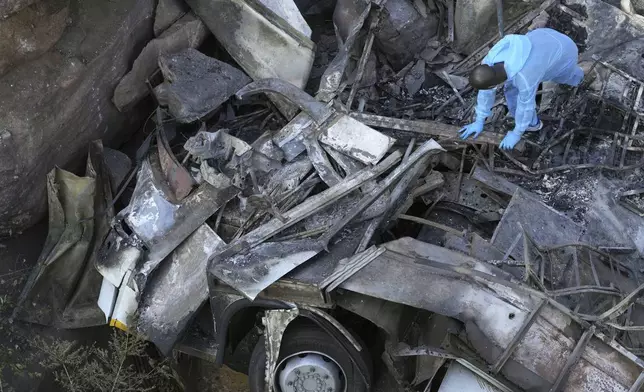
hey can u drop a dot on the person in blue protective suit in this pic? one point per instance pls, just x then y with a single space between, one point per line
522 62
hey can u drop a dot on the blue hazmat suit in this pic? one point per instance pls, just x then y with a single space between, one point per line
540 55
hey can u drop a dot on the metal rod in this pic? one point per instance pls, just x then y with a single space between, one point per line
583 290
424 150
431 223
576 265
460 174
491 155
532 317
592 267
627 141
565 155
572 359
368 234
587 148
450 21
514 244
499 17
451 84
480 156
638 383
542 270
410 148
362 63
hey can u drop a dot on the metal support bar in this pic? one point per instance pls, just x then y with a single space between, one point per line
499 17
440 353
450 21
572 359
638 383
406 351
627 141
362 63
503 358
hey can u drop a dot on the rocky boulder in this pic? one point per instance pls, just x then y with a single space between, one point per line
168 12
187 32
403 32
53 106
31 32
8 7
195 84
475 21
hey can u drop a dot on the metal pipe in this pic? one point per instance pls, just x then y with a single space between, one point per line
499 17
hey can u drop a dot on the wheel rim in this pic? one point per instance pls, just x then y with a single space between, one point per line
310 371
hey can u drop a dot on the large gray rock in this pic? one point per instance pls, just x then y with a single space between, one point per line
187 32
8 7
196 84
31 32
403 32
168 12
52 107
475 21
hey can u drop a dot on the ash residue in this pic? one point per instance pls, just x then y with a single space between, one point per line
427 104
570 192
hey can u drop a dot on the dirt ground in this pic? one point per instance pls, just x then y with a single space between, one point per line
223 379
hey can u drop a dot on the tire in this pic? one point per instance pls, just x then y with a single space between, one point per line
303 338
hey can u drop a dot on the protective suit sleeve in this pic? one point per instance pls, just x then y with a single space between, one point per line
511 96
484 103
526 104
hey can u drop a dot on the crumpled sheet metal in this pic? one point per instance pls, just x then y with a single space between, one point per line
261 42
275 322
63 287
178 290
179 181
348 18
494 310
458 379
118 254
336 130
544 224
163 225
224 264
266 263
290 138
216 145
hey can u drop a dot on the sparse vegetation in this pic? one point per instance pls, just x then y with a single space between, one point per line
79 368
27 353
13 366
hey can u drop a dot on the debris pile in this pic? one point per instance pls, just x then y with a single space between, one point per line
250 187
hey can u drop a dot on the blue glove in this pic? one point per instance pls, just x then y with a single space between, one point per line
474 128
510 140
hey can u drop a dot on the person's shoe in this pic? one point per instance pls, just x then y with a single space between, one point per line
535 128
